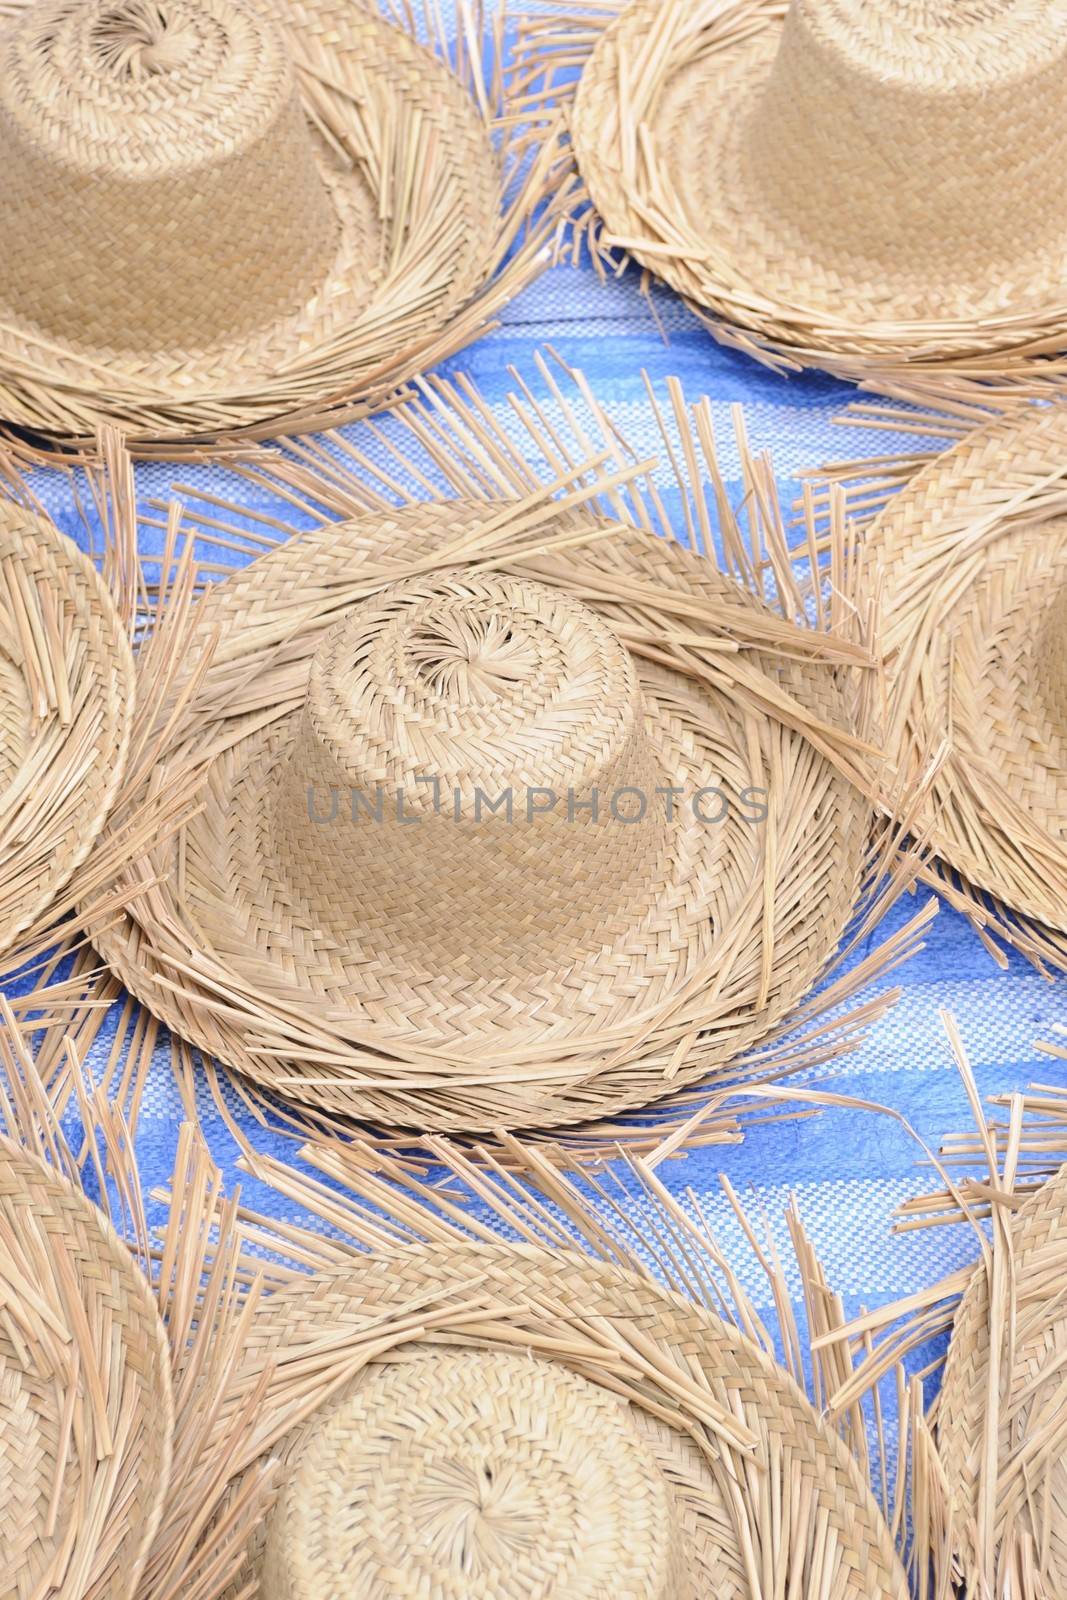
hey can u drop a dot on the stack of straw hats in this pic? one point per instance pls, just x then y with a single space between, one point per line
66 703
876 189
270 214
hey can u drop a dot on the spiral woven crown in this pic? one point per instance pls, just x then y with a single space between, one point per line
482 1475
167 135
469 748
924 133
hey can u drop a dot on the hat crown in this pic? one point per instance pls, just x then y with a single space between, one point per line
944 44
460 761
925 135
484 1474
164 143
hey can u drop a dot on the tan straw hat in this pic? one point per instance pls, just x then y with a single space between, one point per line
66 703
872 186
516 1424
1021 1531
269 213
971 558
380 1407
483 839
85 1394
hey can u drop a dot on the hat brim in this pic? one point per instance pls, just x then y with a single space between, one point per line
66 708
684 205
392 286
695 1379
1033 1386
215 951
971 557
84 1461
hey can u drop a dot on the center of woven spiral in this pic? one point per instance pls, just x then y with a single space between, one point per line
140 39
477 1516
464 734
469 657
485 1474
476 679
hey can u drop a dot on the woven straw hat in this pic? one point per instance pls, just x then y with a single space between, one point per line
268 212
519 1424
1029 1514
972 564
66 702
874 186
85 1394
384 959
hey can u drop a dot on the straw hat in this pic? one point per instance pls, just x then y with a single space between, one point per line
877 188
433 962
520 1424
66 702
85 1394
972 564
1029 1516
268 213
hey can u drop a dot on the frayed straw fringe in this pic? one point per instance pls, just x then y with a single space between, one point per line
356 373
859 490
992 1441
136 822
450 444
218 1254
997 360
216 1265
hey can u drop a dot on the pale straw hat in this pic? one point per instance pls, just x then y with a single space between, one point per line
432 962
1022 1533
872 186
436 1417
85 1396
521 1425
66 704
971 563
269 214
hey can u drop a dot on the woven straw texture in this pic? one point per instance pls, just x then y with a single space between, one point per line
450 975
66 700
518 1424
270 214
877 189
85 1397
1025 1523
973 562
